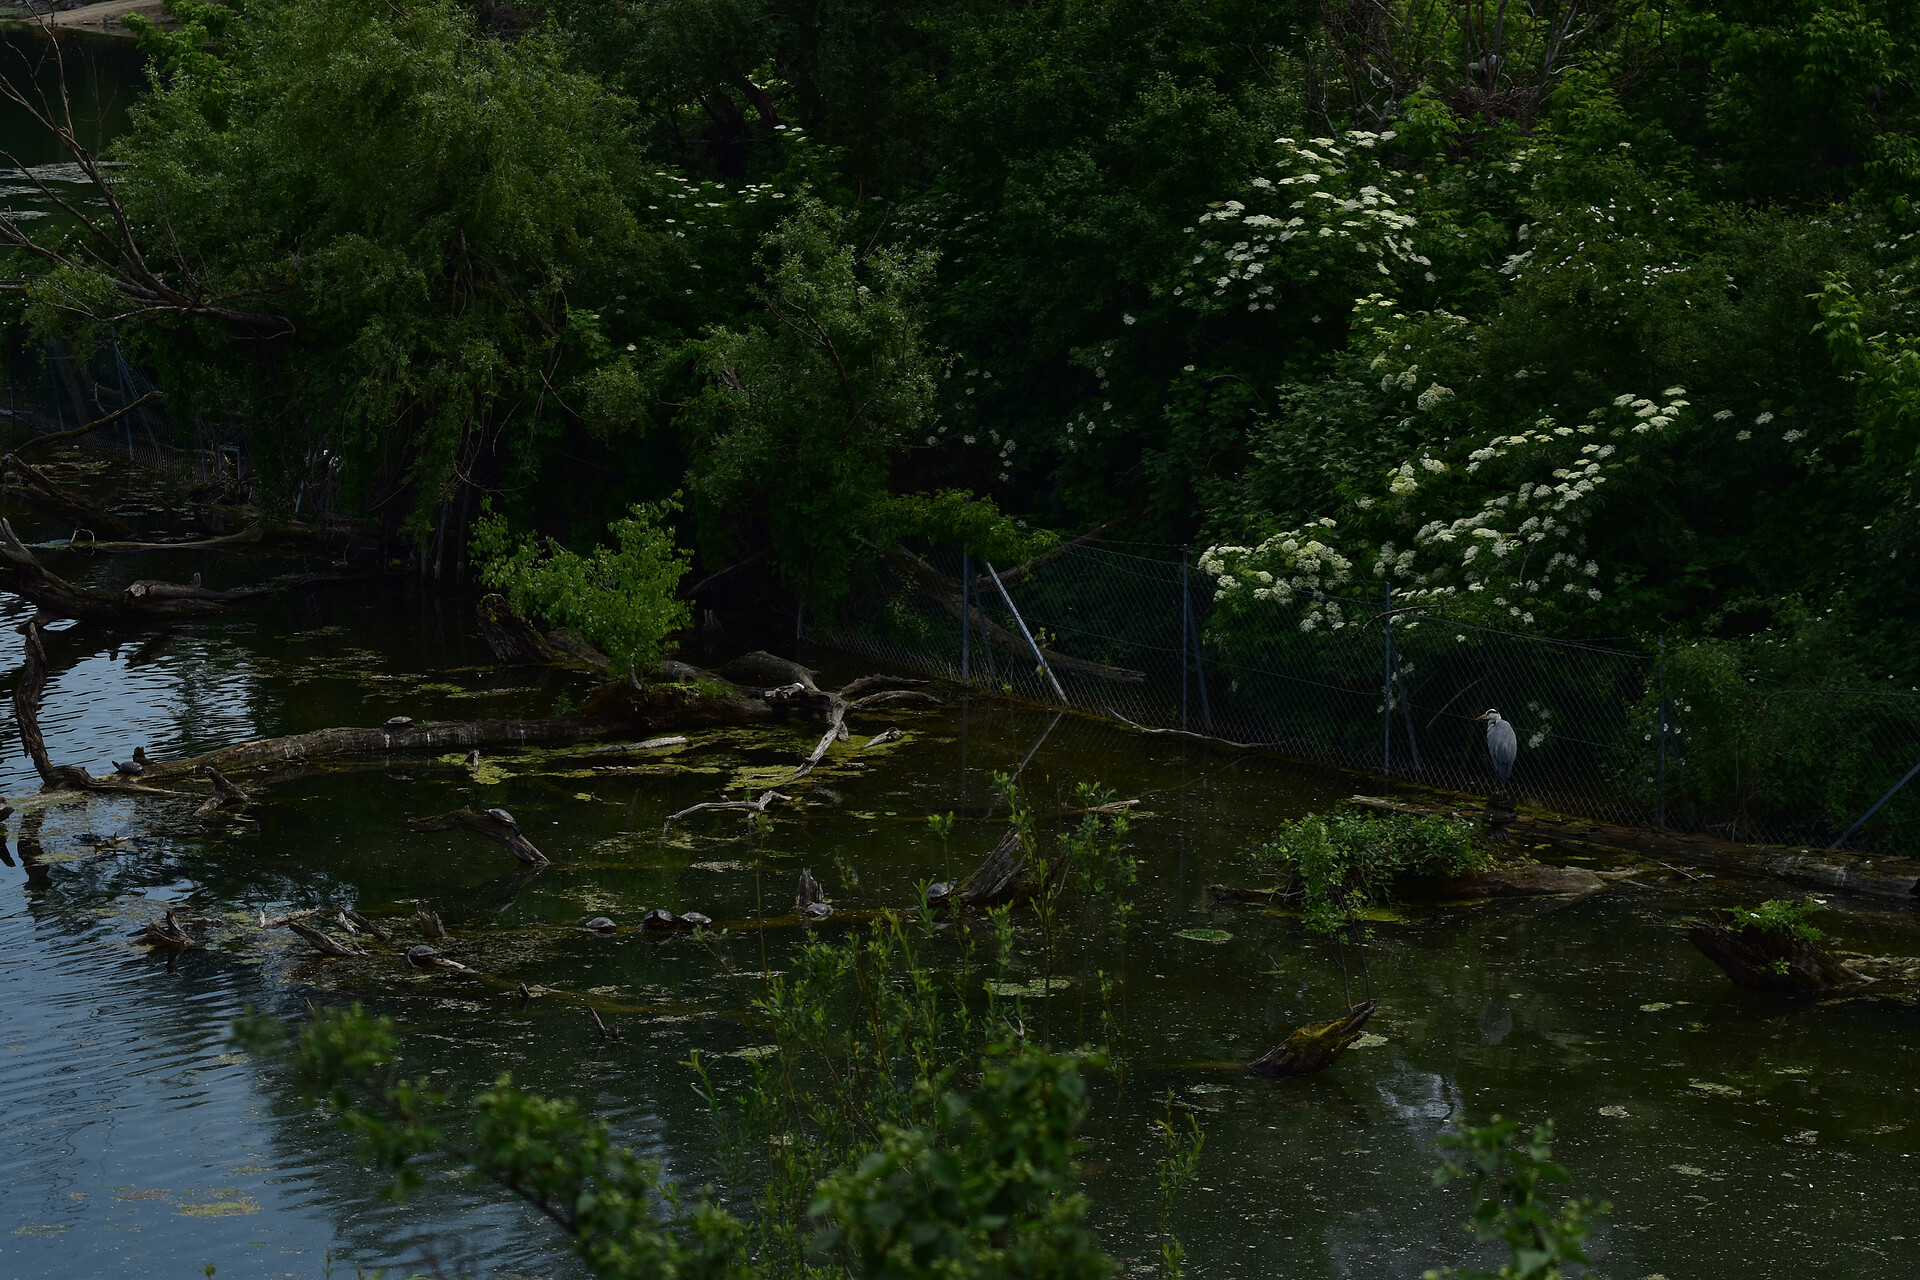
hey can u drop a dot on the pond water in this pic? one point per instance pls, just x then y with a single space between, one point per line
1732 1134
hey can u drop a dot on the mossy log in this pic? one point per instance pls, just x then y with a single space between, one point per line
1762 961
1316 1046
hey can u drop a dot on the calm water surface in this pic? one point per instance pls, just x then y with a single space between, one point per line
1733 1135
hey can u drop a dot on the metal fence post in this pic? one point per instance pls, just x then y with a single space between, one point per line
1386 686
966 614
1199 663
1025 634
1184 629
1663 731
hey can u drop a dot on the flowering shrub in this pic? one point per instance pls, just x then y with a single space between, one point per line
1330 209
1492 531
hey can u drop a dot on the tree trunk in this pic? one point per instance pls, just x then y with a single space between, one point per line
1761 961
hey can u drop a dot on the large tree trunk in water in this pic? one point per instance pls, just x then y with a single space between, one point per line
511 637
1761 961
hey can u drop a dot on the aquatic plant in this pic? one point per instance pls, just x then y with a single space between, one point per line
1345 861
1507 1165
1788 919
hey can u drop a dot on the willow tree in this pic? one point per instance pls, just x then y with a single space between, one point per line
380 239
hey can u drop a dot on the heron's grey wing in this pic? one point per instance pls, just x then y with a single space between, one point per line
1502 744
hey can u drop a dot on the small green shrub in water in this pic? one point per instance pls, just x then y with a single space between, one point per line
620 598
1345 861
1784 918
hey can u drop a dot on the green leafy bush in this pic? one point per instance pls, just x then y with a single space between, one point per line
1787 919
620 598
1344 861
1506 1166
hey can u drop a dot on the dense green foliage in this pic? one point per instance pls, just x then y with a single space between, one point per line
1309 287
620 599
1595 320
1342 862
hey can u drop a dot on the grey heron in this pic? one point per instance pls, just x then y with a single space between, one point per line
1502 743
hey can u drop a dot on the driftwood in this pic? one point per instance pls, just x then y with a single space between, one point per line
1316 1046
1762 961
810 900
225 794
1188 733
1897 878
26 714
248 536
352 918
1002 878
501 831
945 592
167 933
430 923
322 943
30 485
1229 893
750 806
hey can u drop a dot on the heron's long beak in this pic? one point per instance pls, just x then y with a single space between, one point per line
1479 717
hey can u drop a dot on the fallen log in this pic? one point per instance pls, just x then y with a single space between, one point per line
334 744
511 637
1897 878
24 575
493 824
27 483
74 433
1762 961
248 536
1316 1046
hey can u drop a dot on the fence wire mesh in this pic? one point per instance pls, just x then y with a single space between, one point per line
1395 693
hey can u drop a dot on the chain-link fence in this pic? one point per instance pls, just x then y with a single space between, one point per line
50 388
1396 693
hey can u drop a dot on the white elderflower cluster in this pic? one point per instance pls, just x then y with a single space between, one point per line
1326 192
1513 547
1297 566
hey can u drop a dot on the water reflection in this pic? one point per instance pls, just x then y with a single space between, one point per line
135 1137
